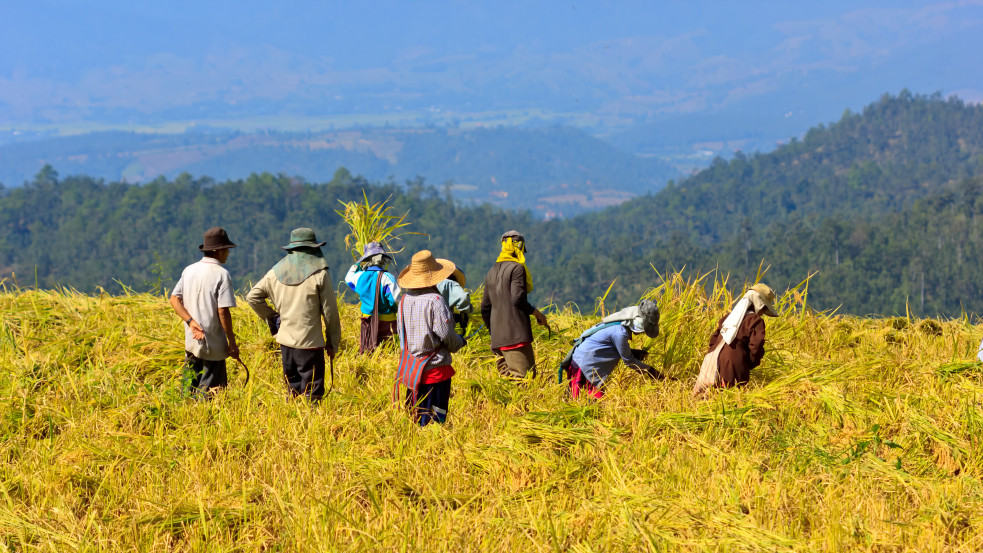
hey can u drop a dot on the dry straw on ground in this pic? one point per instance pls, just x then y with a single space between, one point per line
855 434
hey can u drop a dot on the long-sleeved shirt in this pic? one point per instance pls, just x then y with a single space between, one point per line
599 353
363 284
302 308
737 359
504 306
455 295
425 326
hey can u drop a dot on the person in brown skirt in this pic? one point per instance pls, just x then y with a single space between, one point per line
738 343
377 292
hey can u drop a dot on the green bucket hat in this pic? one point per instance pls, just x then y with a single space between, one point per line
303 238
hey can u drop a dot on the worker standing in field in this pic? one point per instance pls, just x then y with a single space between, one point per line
505 308
456 295
202 298
300 288
599 349
427 337
738 343
377 293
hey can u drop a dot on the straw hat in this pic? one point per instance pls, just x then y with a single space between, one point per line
458 276
765 298
425 271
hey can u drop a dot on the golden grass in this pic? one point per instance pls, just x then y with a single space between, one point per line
855 434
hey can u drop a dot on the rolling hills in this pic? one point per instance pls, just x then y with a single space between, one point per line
882 204
554 171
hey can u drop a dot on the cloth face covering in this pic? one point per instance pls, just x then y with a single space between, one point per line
298 265
631 317
515 251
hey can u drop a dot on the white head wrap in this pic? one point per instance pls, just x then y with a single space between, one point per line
728 330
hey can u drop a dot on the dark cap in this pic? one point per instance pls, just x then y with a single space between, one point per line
514 235
216 239
648 310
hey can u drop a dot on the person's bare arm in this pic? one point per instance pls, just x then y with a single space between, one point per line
178 304
225 318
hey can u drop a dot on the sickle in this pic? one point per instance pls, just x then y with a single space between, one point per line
245 368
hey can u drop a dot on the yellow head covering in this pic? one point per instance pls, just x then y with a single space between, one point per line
515 251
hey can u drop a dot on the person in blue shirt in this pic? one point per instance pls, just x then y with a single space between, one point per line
607 344
456 295
377 293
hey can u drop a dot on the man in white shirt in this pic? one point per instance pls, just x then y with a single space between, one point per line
202 298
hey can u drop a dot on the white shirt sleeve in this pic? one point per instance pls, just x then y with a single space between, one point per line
393 286
226 297
352 277
179 287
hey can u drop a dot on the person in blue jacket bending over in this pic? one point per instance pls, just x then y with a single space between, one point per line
607 344
377 292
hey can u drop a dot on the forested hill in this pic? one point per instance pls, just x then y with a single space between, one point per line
877 202
884 204
897 150
86 233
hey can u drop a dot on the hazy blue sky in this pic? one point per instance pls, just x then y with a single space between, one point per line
624 62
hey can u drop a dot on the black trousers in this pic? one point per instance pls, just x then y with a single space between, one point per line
432 401
303 369
201 376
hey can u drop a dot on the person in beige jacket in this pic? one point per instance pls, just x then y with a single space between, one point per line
300 288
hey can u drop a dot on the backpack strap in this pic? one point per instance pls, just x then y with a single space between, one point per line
374 321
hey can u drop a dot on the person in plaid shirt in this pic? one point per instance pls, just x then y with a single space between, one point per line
426 328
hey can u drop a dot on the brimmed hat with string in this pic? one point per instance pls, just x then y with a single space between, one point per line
425 271
303 238
216 239
373 248
764 298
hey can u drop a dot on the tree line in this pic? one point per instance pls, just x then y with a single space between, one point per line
883 204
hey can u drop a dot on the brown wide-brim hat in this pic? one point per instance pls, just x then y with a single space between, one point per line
425 271
768 299
458 276
216 239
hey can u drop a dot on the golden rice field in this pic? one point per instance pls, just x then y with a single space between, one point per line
855 435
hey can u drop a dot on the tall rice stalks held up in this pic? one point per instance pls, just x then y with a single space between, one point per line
371 223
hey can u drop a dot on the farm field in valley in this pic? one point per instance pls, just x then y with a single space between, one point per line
855 434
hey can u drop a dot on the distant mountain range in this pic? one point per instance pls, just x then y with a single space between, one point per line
681 82
882 207
553 171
